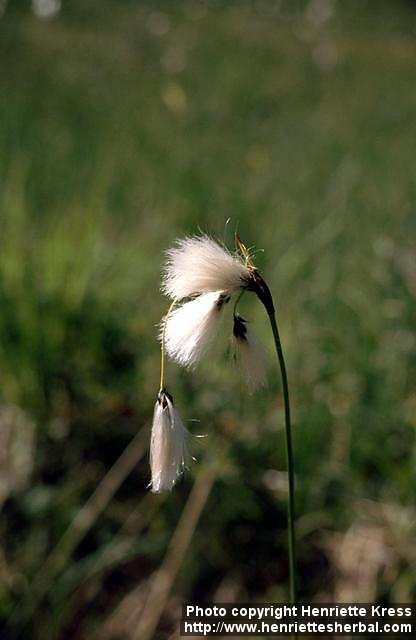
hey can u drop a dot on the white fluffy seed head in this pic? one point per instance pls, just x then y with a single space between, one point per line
191 328
168 444
250 355
198 265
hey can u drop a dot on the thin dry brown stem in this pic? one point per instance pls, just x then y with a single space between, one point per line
79 527
121 549
139 614
165 576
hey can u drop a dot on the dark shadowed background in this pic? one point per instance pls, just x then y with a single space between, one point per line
124 125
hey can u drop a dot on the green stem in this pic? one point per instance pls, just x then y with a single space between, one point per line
240 295
162 346
289 458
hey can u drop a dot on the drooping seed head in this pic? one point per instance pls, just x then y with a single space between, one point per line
190 329
168 444
200 265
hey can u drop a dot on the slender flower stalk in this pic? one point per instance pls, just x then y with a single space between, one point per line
162 346
264 294
289 459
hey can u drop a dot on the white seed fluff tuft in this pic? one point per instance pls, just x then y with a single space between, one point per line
198 265
250 355
191 328
168 450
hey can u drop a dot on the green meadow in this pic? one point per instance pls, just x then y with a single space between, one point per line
125 125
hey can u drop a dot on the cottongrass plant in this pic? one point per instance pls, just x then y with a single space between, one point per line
201 276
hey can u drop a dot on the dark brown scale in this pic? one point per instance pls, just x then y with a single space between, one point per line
240 329
256 284
222 300
162 397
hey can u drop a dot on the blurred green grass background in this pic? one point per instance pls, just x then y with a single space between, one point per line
124 125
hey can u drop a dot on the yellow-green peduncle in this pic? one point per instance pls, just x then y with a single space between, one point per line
162 346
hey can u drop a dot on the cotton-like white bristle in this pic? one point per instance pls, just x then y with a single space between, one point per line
168 450
200 265
250 354
191 328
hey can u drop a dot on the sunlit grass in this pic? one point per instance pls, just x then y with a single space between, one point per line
123 126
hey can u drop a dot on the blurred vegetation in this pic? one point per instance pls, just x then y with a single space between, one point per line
122 126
